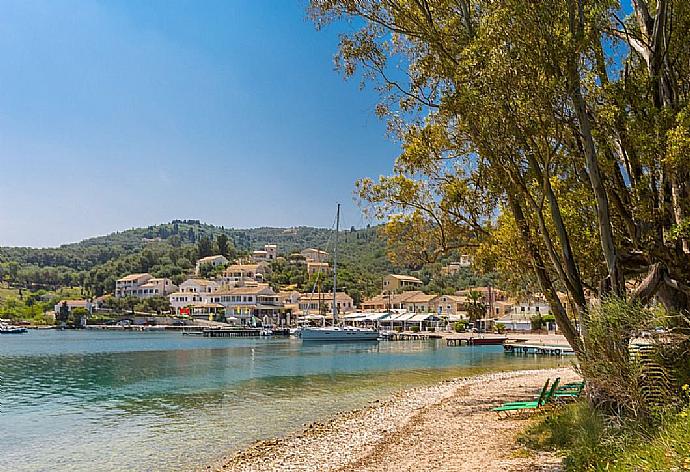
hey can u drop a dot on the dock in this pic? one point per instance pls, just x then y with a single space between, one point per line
537 349
409 336
475 340
231 332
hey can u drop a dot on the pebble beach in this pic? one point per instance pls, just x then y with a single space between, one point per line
447 426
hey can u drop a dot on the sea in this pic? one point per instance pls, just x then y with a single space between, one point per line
84 400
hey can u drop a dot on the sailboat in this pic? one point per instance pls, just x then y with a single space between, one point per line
336 332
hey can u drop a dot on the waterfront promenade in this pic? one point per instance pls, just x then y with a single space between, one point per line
448 426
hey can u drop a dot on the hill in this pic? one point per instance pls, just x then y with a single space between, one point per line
171 249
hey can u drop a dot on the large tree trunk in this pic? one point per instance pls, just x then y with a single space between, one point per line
564 323
616 282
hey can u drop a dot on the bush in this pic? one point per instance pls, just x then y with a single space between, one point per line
415 329
460 326
632 383
500 328
589 443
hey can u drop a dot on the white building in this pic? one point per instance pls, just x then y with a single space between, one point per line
129 284
71 304
236 275
268 254
213 261
155 287
198 286
531 308
245 303
182 301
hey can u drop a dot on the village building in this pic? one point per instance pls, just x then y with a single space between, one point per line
449 305
310 303
182 302
314 255
393 283
237 275
214 261
318 267
246 304
268 254
199 286
391 301
129 284
72 304
155 287
419 302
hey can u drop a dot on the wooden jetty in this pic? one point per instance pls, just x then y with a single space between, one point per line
408 336
537 349
230 332
475 340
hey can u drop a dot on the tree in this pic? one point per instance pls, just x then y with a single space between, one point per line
222 244
63 315
476 310
77 315
533 108
204 246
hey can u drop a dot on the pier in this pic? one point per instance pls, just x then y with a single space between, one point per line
537 349
409 336
231 332
475 340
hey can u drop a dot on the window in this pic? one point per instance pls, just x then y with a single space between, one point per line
536 308
522 308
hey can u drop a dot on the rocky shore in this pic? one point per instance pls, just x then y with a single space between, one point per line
447 426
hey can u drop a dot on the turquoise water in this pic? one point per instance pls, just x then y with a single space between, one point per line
94 400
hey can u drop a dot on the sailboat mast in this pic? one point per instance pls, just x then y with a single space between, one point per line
335 265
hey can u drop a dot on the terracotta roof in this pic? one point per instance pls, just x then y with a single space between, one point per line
323 296
129 277
74 302
203 282
407 278
420 298
242 267
241 291
210 258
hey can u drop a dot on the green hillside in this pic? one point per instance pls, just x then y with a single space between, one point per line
171 250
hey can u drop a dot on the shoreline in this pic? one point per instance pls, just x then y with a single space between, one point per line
444 426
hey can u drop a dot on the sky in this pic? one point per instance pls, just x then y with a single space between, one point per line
121 114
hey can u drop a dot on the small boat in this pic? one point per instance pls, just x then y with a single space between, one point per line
11 329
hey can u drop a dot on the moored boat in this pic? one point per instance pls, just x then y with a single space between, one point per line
335 332
11 329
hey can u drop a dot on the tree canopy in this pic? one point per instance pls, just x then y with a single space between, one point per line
550 135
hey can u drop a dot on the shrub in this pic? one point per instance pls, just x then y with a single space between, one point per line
460 326
415 329
591 443
640 383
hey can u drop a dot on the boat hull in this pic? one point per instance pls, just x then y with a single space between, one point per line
338 334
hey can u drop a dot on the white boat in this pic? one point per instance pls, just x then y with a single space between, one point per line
11 329
266 332
335 332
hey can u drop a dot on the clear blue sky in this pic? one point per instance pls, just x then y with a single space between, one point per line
121 114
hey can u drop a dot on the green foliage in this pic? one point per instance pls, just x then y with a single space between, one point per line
590 442
460 326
